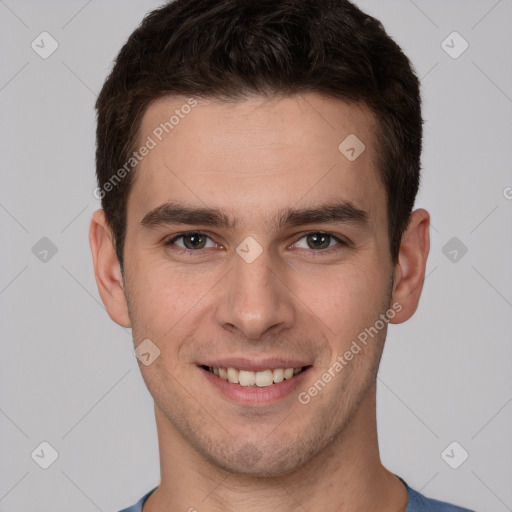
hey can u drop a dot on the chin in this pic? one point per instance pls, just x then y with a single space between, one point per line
260 460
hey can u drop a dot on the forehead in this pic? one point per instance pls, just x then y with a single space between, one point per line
257 153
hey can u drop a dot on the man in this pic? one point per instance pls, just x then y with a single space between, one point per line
258 164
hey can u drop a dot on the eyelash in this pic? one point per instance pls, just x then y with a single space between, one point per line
321 252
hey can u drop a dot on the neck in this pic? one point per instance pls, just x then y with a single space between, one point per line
346 475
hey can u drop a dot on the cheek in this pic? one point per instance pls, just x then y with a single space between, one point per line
167 302
167 299
348 301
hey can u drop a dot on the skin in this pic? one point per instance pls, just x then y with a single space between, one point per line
251 159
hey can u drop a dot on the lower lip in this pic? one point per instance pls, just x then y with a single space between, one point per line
254 395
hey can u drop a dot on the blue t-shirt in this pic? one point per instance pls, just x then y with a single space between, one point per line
416 503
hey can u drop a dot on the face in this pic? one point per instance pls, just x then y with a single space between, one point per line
255 244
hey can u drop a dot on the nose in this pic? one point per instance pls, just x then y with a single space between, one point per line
255 298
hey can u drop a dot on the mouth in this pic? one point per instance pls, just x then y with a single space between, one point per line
255 379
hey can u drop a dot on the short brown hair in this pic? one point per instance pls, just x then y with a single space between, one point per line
231 49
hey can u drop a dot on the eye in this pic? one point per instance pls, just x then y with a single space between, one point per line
321 241
195 241
192 240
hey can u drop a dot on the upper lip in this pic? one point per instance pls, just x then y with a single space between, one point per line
254 365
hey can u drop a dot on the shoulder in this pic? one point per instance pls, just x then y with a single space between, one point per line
138 506
419 503
416 503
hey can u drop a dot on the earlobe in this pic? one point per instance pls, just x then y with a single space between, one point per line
410 268
107 269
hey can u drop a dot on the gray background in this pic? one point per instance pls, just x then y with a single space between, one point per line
68 374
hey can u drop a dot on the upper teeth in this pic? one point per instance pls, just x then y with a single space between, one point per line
260 379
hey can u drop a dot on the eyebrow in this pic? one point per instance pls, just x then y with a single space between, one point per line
340 212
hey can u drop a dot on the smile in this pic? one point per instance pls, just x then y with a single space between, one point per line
247 378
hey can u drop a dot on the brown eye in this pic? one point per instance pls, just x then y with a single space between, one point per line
193 240
320 241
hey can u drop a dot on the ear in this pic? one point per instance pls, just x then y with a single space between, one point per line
409 273
107 269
